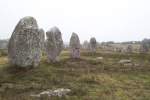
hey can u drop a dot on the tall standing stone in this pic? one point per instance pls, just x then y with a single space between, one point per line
54 44
75 46
93 44
24 48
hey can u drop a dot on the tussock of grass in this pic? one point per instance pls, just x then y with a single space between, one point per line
88 78
3 52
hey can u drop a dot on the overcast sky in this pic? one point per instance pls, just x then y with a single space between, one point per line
107 20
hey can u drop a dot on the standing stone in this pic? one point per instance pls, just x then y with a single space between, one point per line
145 46
129 49
42 40
54 44
75 46
93 44
24 48
85 45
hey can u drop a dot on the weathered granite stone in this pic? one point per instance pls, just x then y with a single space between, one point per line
129 49
122 61
86 45
75 46
93 44
42 40
54 44
58 93
145 46
24 48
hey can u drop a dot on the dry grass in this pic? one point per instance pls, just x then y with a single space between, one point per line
3 61
88 78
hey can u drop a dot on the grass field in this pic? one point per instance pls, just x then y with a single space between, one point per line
88 78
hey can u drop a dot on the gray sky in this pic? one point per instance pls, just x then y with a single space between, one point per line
107 20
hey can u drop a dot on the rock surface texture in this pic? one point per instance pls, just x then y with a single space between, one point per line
46 95
129 49
75 46
85 45
93 44
25 44
54 44
145 45
58 92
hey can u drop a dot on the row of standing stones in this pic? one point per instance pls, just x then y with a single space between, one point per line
28 41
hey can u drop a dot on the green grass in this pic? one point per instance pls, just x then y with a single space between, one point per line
3 52
88 78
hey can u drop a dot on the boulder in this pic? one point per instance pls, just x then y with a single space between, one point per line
99 58
123 61
56 93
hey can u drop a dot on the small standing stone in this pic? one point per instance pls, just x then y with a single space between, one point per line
145 46
93 44
24 48
54 44
75 46
129 49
